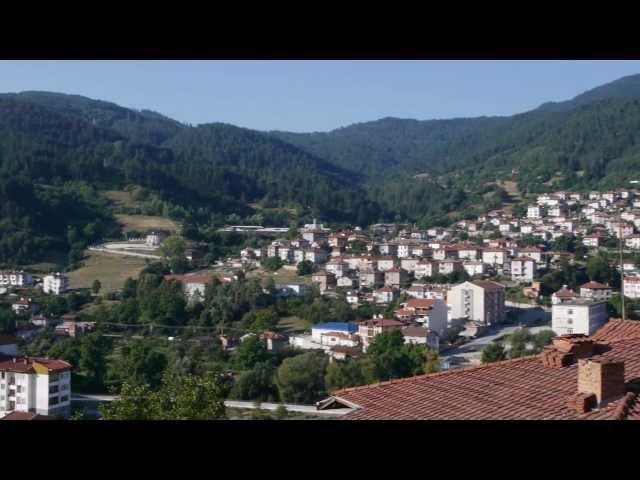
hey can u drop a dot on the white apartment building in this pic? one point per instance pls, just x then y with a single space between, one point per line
523 269
56 283
15 279
581 315
481 301
38 385
494 256
473 268
632 287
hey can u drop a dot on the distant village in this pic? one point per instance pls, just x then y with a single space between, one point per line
439 278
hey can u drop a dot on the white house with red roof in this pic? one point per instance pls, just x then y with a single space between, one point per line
595 290
565 294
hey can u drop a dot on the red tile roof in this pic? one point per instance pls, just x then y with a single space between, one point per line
565 293
595 286
518 389
420 303
618 329
25 365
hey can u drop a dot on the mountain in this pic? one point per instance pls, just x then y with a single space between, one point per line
57 151
625 87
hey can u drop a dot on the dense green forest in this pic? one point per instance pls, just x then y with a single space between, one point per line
58 151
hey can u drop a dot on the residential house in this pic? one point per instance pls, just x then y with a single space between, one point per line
386 295
421 336
193 286
595 291
425 268
396 277
473 268
495 256
324 280
369 329
432 313
385 263
632 287
523 269
317 331
447 267
563 295
274 341
409 264
371 278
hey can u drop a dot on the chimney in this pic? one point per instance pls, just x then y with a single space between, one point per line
603 378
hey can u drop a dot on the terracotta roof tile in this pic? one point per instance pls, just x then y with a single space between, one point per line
519 389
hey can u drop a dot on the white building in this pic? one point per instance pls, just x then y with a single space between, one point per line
481 301
632 287
38 385
56 283
595 291
15 279
534 211
582 316
495 256
523 269
421 336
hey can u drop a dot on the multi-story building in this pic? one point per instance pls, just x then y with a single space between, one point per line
523 269
15 279
495 256
56 283
386 295
480 301
395 277
324 280
193 286
632 287
37 385
581 315
534 211
369 329
432 313
371 278
421 336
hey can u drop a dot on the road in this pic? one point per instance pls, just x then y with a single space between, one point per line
470 353
90 402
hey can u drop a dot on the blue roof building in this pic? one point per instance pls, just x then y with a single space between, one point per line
336 327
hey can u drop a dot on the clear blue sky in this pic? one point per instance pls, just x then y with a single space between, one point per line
316 95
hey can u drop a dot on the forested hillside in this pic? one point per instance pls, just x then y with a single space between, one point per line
57 151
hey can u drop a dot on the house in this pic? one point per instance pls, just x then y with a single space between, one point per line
632 287
24 306
386 295
523 269
385 263
473 268
575 378
15 279
42 321
340 352
396 277
275 341
425 268
73 328
632 241
371 278
369 329
478 300
531 252
324 280
347 282
409 264
36 385
193 286
342 339
317 331
154 239
421 336
388 249
581 315
352 298
338 267
447 267
495 256
534 211
290 290
563 295
432 313
55 283
592 241
468 252
596 291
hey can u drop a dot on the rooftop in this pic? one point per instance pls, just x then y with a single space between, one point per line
518 389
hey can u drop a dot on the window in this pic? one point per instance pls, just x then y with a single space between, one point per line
54 401
570 312
570 321
64 398
64 386
19 389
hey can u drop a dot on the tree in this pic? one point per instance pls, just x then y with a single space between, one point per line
262 320
518 342
95 286
300 379
598 269
250 352
256 384
93 359
348 373
7 321
391 358
542 339
172 247
494 352
272 264
178 398
305 267
139 364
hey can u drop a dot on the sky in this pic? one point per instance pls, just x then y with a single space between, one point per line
304 96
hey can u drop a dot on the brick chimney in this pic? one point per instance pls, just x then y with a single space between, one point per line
603 378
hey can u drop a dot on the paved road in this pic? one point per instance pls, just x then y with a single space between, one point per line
308 409
470 353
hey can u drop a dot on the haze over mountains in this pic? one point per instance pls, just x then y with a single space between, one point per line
359 174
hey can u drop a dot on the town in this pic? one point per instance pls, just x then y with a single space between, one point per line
510 283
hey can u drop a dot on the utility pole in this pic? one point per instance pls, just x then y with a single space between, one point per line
621 266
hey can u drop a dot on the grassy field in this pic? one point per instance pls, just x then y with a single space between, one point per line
146 222
281 276
293 324
111 270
